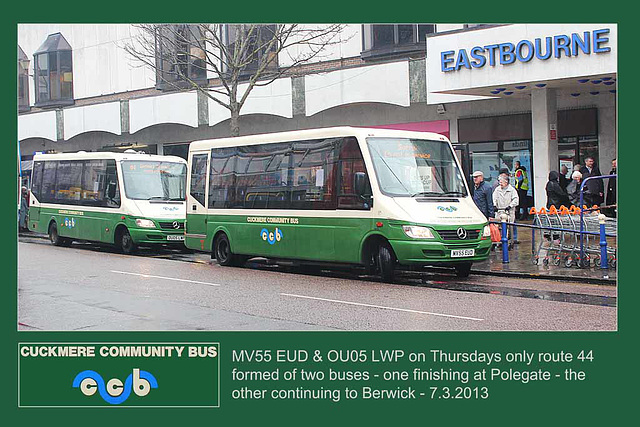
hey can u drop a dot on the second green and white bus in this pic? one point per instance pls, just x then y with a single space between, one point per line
127 199
382 199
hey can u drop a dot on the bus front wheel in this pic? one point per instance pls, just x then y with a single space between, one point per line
125 242
463 270
222 251
386 262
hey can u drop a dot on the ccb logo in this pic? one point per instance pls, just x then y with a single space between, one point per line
271 237
447 208
114 392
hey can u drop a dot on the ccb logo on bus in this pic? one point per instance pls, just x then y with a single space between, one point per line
69 222
271 236
447 208
114 392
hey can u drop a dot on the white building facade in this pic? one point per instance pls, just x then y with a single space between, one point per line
541 94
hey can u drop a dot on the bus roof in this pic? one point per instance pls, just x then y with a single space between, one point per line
99 155
332 132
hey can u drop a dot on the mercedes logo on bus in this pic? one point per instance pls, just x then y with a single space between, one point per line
462 233
175 224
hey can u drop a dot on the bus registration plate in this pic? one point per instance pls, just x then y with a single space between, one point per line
175 237
458 253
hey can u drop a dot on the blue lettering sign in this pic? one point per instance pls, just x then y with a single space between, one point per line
598 38
506 54
582 44
561 43
463 60
530 52
539 54
477 54
525 50
492 57
445 60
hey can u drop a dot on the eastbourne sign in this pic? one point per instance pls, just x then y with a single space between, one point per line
539 49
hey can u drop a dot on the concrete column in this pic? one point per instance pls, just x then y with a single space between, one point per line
544 117
60 125
298 96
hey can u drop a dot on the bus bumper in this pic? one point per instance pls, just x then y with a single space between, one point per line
150 236
416 252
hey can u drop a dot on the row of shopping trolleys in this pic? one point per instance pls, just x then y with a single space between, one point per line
560 242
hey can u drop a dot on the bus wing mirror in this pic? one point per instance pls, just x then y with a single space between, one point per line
360 183
111 190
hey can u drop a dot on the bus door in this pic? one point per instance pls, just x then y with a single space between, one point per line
196 225
462 153
355 219
36 185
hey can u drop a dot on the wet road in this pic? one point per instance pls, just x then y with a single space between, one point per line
91 287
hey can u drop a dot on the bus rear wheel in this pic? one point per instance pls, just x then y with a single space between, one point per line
125 242
223 253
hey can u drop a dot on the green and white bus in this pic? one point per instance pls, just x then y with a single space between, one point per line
128 199
382 199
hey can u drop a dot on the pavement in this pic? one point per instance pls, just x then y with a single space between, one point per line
521 264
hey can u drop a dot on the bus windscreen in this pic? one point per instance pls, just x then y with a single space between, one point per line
152 180
416 167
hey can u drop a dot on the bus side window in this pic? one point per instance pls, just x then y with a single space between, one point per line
351 162
198 177
36 180
48 181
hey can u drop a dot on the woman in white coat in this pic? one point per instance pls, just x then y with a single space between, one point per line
505 200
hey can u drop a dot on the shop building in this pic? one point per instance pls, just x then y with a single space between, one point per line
541 94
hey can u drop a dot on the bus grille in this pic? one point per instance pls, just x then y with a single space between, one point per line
172 225
453 234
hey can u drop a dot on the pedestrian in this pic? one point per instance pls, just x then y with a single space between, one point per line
482 194
505 200
556 196
522 185
594 188
573 189
564 180
503 172
24 210
611 190
577 167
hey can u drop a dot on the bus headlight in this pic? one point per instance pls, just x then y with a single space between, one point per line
417 232
487 231
145 223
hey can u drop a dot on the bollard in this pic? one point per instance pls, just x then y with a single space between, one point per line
505 240
604 262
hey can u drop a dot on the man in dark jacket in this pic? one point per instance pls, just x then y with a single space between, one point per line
594 188
482 194
556 196
611 189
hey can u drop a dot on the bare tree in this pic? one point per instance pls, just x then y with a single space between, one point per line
240 56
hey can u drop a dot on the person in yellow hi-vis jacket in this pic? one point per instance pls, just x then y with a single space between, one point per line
522 186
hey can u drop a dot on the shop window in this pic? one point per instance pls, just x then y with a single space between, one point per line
249 47
53 72
180 56
390 40
23 81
